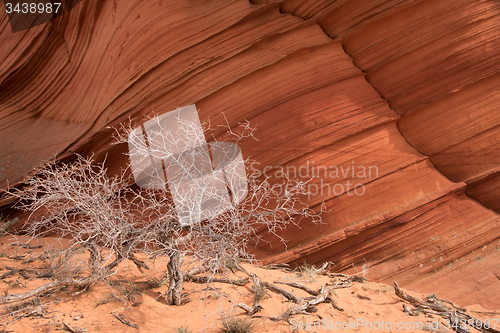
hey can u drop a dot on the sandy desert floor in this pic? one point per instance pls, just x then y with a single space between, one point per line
137 298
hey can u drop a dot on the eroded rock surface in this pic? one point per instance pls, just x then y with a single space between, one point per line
409 88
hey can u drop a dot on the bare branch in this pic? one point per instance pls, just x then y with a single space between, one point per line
210 212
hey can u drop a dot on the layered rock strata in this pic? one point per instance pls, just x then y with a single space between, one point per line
405 90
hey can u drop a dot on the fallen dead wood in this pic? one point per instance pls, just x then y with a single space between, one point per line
121 317
334 275
410 312
282 266
324 269
74 329
417 302
31 259
456 317
304 305
26 246
452 304
250 310
17 257
205 279
259 292
33 308
323 294
46 288
299 286
287 294
345 281
308 307
34 311
23 272
329 299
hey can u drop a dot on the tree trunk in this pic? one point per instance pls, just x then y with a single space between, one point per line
94 259
174 292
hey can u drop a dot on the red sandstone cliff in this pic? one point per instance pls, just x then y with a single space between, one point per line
411 87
